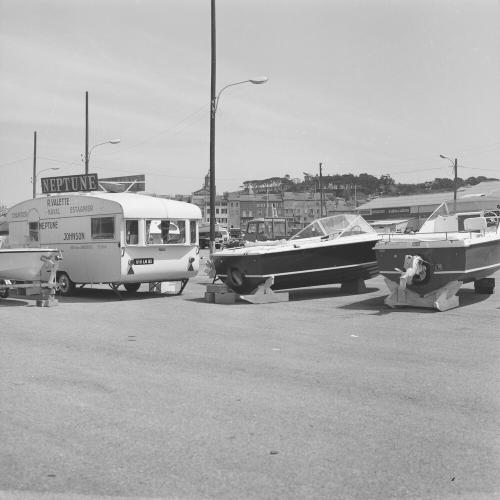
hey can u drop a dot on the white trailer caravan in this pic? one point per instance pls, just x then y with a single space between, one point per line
114 238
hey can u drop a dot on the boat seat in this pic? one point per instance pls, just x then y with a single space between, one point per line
475 224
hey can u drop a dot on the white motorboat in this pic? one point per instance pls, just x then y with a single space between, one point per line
452 247
25 264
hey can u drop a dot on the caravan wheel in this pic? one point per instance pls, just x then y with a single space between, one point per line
66 286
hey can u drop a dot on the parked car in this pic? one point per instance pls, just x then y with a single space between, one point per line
221 237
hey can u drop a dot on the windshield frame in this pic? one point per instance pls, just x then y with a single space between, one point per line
335 226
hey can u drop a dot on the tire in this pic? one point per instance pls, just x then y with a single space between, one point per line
66 286
132 287
4 293
235 278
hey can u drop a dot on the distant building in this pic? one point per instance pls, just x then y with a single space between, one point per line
301 209
243 207
234 210
201 198
418 207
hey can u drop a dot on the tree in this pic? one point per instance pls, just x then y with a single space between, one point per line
442 183
386 183
367 182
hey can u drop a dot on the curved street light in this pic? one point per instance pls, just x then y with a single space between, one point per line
256 81
454 164
112 141
214 104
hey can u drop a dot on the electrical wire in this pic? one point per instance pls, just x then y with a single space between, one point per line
171 129
14 161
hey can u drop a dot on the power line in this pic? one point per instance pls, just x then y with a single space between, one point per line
158 174
15 161
64 162
478 168
171 129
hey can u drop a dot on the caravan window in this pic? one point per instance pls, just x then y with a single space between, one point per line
33 231
102 228
162 231
279 229
132 232
177 232
192 227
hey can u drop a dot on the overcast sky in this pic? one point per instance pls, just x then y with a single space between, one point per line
374 86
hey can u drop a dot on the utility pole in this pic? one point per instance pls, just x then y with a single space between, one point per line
455 168
86 132
321 197
34 164
455 179
213 108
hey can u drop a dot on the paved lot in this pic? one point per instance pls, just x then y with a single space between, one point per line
326 396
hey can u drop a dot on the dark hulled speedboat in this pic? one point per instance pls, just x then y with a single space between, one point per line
335 249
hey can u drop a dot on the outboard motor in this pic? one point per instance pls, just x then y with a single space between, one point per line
417 271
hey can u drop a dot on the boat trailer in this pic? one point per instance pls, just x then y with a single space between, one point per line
44 290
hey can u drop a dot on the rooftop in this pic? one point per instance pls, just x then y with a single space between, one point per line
488 189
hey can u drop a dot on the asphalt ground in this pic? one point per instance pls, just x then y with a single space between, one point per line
326 396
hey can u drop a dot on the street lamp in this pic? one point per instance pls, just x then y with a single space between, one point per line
36 178
213 109
112 141
256 81
454 164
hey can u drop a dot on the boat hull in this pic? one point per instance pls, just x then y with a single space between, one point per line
448 260
297 267
24 264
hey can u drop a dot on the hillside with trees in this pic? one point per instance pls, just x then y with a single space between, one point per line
364 185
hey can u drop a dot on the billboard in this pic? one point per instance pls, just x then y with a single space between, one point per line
70 183
130 183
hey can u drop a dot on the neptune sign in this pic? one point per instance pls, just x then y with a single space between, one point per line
70 183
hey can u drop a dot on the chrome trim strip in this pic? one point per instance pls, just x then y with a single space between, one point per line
306 271
460 271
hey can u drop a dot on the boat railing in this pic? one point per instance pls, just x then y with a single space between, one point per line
438 236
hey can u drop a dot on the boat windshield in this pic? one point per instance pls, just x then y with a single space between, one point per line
441 211
335 226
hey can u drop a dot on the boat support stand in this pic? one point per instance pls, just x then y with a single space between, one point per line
48 290
157 287
264 295
114 287
442 299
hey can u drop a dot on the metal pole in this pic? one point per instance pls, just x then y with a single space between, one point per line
455 186
321 197
34 164
212 130
86 132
